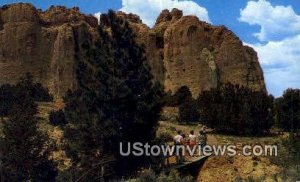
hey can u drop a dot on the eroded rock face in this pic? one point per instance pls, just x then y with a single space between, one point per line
42 43
202 56
181 50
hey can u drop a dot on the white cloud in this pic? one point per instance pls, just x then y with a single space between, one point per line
149 10
281 63
284 53
279 55
276 22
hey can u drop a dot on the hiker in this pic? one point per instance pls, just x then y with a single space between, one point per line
179 141
186 143
178 138
192 140
202 138
203 129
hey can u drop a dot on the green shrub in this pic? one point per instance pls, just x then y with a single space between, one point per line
237 110
182 94
173 176
10 93
287 110
57 118
188 111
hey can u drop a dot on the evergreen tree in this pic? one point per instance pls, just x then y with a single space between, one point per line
236 109
288 110
57 118
188 111
25 154
6 99
116 99
35 90
9 93
180 96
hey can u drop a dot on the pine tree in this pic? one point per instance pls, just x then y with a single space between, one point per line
35 90
6 99
8 93
236 109
180 96
25 155
288 110
188 111
116 99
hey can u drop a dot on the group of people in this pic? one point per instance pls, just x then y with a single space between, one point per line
190 140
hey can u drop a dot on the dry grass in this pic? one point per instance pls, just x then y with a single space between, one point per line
223 168
55 133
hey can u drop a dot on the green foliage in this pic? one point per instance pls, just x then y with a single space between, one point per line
116 100
6 99
288 110
188 111
147 175
288 158
57 118
173 176
24 149
35 90
180 96
292 144
237 110
165 137
9 93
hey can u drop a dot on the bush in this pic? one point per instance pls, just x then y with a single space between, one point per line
173 176
36 90
10 93
25 149
182 94
147 175
165 137
237 110
57 118
188 111
288 110
6 99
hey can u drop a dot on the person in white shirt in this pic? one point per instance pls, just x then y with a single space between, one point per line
178 140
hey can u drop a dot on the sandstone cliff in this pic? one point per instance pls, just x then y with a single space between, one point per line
42 43
181 50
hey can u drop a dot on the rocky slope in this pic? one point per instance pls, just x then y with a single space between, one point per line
181 50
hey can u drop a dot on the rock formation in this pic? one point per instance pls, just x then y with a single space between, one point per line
181 50
42 43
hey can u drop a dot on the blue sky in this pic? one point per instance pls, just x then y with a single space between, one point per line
271 27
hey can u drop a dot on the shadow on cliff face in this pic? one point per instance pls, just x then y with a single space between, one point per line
42 42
